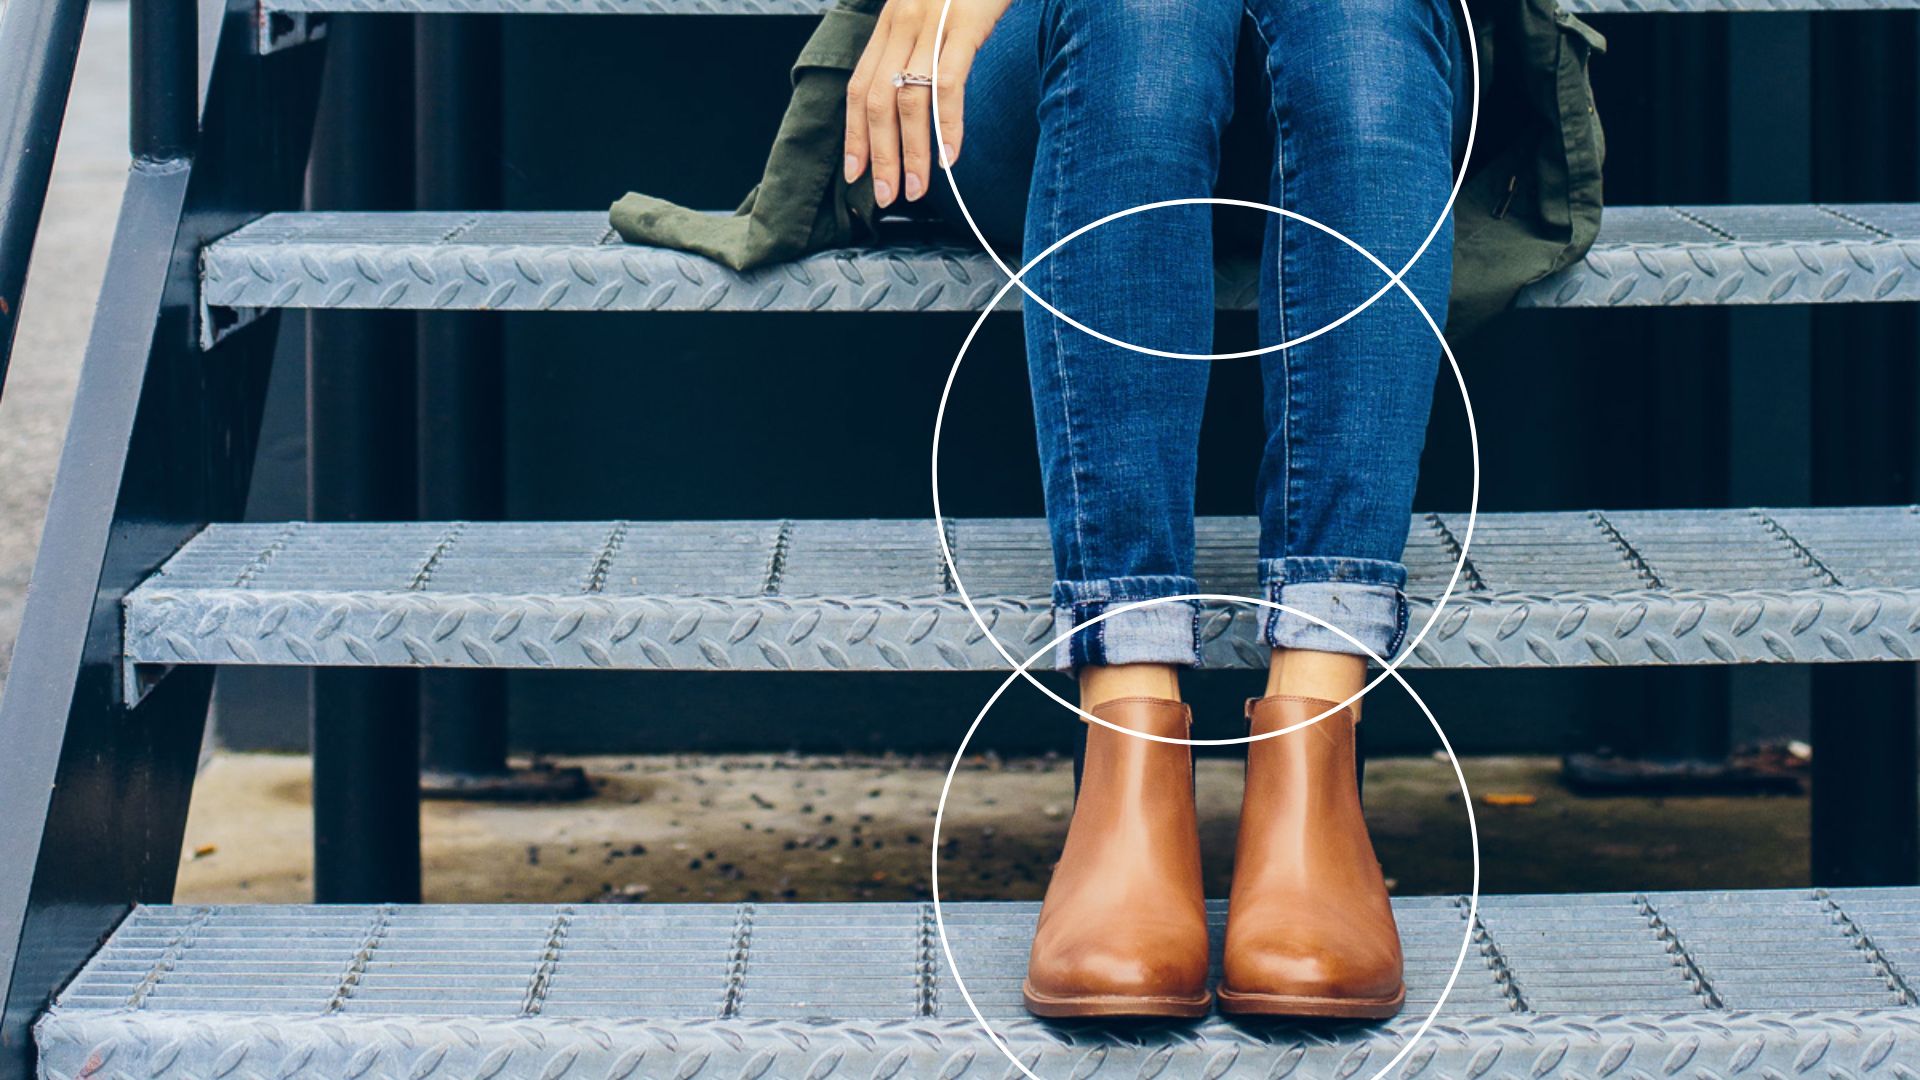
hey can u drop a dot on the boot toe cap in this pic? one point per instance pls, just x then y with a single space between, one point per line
1174 968
1295 969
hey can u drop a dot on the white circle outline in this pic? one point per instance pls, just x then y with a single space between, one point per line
1393 278
1466 796
1388 667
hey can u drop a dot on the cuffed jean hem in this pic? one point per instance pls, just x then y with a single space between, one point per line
1364 597
1161 634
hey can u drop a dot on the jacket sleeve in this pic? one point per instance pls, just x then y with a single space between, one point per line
802 202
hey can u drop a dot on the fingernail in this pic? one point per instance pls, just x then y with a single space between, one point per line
914 186
946 154
852 166
882 192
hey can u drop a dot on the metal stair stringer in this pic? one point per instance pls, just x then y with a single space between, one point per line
95 788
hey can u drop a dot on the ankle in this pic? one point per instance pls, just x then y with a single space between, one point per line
1099 685
1330 677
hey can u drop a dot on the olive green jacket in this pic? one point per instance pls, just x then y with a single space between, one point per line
1530 205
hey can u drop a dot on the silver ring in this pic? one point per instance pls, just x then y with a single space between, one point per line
903 79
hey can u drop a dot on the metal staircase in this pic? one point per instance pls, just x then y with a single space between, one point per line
146 583
1556 987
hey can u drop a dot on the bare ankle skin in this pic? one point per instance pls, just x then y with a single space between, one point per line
1103 684
1324 675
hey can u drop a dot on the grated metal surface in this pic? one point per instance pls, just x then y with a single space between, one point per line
574 262
1702 985
815 7
1541 590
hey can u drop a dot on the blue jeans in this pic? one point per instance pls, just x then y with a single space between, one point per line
1080 108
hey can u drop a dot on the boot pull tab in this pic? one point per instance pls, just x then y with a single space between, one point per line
1186 710
1320 706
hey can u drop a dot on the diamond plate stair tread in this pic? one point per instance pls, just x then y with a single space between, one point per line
1540 590
1704 985
814 7
572 261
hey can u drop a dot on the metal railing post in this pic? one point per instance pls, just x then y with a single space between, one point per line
163 119
39 41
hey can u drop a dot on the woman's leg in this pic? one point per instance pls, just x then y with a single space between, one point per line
1076 110
1363 118
1128 99
1362 111
1133 97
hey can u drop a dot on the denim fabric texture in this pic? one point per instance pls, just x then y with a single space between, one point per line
1076 109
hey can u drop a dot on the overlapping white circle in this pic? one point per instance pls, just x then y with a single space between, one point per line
1393 277
959 582
946 788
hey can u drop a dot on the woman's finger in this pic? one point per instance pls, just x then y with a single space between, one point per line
857 85
883 113
956 59
916 120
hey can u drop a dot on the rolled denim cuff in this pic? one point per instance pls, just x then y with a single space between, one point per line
1364 597
1161 634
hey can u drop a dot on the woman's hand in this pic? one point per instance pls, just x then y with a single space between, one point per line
889 127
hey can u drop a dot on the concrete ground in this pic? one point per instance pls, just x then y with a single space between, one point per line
793 828
89 174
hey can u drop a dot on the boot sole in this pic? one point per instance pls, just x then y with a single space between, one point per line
1250 1004
1070 1008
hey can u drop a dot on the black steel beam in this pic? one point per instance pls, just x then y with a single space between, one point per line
360 432
1680 63
1865 395
463 715
1769 349
1865 800
461 401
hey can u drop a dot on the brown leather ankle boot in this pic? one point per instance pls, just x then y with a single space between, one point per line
1309 928
1123 931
